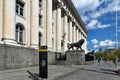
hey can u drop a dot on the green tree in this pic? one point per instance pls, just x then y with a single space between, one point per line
117 52
99 55
111 56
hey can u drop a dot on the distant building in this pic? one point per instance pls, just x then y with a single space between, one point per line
100 49
109 51
29 23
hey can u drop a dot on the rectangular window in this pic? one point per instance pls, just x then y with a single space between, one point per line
17 35
19 8
21 36
21 11
40 20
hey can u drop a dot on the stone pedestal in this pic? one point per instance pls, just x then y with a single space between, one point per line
76 57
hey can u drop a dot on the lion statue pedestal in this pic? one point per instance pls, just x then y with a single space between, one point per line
75 57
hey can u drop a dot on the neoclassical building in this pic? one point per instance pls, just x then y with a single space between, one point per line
30 23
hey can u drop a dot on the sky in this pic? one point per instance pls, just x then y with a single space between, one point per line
99 17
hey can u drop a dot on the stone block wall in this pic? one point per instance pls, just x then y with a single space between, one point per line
12 57
76 57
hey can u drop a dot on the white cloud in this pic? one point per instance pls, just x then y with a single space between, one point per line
107 43
87 5
96 46
85 18
118 30
91 6
103 43
96 14
94 41
94 24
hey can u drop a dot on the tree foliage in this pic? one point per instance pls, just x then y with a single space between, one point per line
111 56
99 55
117 52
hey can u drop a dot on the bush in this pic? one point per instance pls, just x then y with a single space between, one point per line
117 52
110 56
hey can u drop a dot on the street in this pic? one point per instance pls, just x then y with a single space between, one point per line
97 71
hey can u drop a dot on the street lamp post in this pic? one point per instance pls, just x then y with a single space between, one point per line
116 38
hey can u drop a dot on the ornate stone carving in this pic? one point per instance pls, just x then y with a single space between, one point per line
59 5
71 19
66 13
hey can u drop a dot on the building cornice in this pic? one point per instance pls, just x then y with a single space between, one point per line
76 15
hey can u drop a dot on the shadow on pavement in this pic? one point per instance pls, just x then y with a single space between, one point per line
116 71
33 76
66 75
104 71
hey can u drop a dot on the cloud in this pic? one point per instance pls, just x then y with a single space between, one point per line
94 24
94 41
103 43
87 5
118 30
95 9
96 46
107 43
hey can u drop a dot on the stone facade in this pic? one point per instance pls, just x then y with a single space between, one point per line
31 23
75 57
12 57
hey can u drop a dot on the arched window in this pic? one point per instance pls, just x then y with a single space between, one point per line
19 32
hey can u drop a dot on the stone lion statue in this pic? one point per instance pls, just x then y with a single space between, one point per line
77 45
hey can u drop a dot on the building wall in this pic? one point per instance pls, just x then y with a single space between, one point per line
12 57
1 17
59 22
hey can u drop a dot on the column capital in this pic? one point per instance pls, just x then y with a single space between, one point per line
74 23
71 19
66 13
59 5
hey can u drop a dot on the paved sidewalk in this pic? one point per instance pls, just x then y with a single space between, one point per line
53 72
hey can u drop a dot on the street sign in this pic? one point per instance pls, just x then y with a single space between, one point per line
43 63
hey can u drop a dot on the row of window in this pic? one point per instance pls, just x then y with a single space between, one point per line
20 34
20 9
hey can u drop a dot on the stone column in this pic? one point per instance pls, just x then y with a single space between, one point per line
28 23
49 23
80 34
77 35
9 17
65 25
74 31
70 23
85 45
1 18
44 17
34 23
58 29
